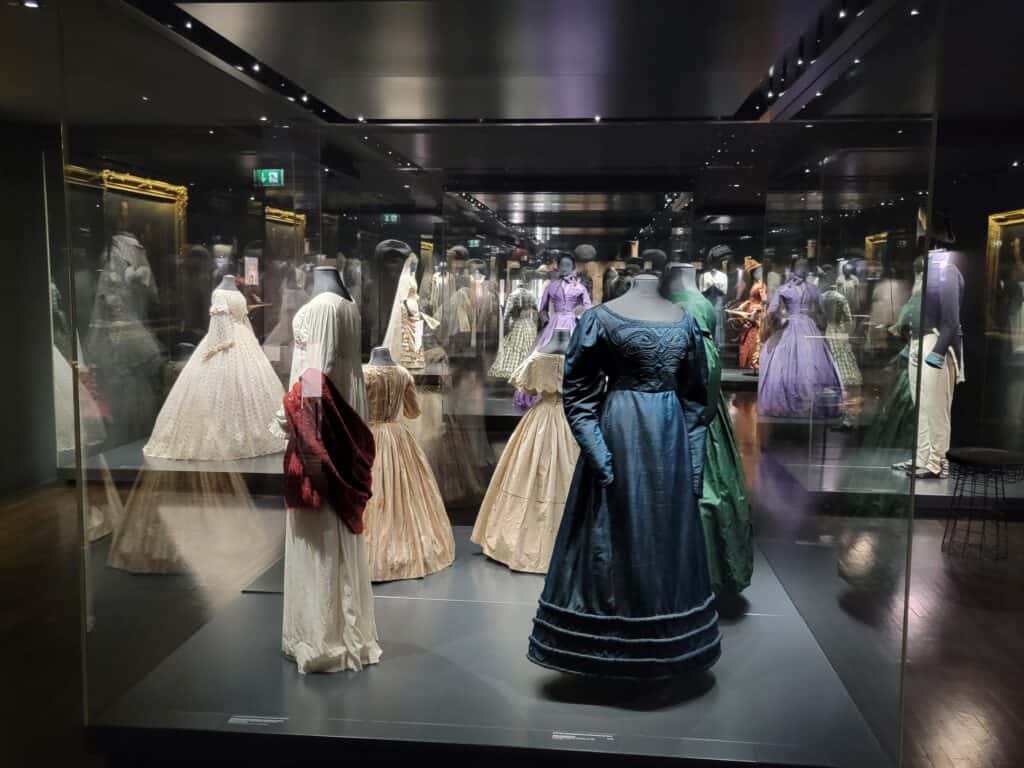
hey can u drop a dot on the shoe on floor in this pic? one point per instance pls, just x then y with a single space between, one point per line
902 466
922 473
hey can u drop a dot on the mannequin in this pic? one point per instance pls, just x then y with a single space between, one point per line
942 347
328 280
227 283
559 343
848 284
644 302
714 284
381 356
564 300
680 277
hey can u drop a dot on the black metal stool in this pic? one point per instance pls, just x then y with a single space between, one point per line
979 477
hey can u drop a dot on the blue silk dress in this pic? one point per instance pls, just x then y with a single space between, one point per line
628 592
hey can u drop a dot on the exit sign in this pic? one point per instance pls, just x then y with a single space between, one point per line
268 177
473 243
389 218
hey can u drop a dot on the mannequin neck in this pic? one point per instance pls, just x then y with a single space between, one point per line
558 344
644 302
644 287
681 277
381 356
227 283
328 280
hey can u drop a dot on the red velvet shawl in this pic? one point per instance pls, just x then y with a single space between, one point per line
330 451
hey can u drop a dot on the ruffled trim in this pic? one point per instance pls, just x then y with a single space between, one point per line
666 645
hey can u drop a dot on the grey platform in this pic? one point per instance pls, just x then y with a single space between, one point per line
454 672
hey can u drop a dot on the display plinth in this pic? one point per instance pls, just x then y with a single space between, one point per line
455 676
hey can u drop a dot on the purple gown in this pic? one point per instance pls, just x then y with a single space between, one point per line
797 369
560 300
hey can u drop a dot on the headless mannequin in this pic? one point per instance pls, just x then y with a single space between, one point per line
681 277
227 283
643 302
381 356
328 280
558 344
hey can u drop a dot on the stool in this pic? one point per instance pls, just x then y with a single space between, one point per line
979 477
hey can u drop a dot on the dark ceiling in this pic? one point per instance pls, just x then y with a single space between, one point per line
517 59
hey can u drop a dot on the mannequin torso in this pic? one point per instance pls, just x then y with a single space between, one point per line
227 283
681 277
381 356
643 302
328 280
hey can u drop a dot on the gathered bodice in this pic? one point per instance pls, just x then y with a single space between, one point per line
390 392
795 297
642 355
540 374
564 295
228 305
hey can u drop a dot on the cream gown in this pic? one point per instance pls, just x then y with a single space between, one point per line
407 529
520 514
222 403
329 622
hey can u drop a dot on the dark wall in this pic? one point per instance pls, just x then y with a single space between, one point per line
27 438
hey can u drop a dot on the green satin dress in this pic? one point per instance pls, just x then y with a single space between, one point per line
724 506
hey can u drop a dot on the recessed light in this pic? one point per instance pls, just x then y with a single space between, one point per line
914 12
327 170
405 186
145 98
807 170
291 98
30 3
771 95
597 118
1016 163
211 131
263 118
255 67
799 62
252 197
735 186
324 111
188 25
361 119
856 61
239 67
842 13
818 94
808 125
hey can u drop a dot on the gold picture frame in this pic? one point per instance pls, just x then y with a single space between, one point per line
141 186
997 223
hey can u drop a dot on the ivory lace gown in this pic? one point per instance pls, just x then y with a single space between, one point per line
226 396
407 529
520 515
329 622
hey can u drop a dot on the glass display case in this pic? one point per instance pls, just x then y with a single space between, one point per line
585 438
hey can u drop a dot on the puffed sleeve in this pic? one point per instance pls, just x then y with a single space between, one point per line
410 400
584 389
692 389
322 344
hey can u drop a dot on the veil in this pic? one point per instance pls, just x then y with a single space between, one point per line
406 282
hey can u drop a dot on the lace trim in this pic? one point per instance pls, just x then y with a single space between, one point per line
218 348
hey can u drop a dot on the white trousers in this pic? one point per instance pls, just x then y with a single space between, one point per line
936 402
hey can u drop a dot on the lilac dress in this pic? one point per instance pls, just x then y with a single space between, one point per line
560 300
798 373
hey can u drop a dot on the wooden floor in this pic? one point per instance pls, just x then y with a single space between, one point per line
964 680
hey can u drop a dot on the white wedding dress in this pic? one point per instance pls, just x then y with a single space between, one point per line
224 400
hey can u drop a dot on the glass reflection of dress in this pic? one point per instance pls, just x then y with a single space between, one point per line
628 592
224 401
521 313
724 506
408 534
520 514
750 330
278 344
797 370
838 323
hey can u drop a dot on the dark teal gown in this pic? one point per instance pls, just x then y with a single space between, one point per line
724 506
628 592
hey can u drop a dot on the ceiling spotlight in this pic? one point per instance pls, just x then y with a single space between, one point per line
771 95
914 12
305 98
291 98
252 197
323 111
818 94
30 3
1015 163
405 186
856 61
807 170
808 125
842 13
239 67
188 25
255 67
900 131
799 62
366 138
263 118
211 131
735 186
361 119
327 170
145 98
